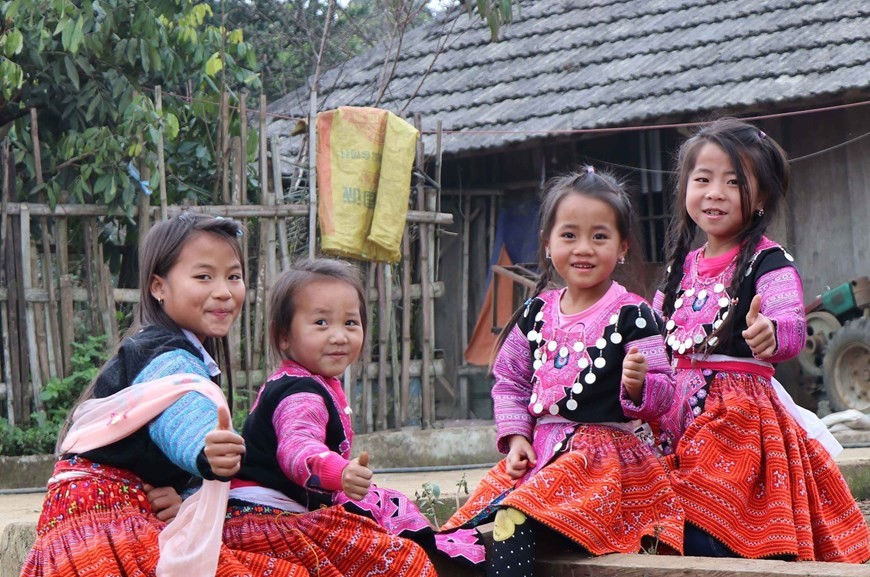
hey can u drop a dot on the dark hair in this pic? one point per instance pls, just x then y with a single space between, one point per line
749 149
157 255
587 182
281 301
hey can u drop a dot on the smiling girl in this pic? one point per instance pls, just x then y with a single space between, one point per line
751 479
299 495
578 371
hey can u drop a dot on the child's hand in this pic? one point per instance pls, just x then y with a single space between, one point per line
634 369
357 478
759 334
165 502
223 447
520 457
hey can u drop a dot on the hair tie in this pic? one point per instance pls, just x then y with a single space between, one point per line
761 135
590 169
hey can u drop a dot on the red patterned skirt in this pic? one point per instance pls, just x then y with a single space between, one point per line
98 522
607 493
746 473
329 542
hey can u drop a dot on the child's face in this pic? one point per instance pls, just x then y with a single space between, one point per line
204 290
585 245
326 333
713 198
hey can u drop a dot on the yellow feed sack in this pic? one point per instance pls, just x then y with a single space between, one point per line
364 161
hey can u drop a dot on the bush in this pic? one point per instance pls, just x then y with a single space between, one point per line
59 395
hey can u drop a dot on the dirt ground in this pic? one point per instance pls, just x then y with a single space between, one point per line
27 506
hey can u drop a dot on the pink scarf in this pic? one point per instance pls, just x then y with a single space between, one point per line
190 544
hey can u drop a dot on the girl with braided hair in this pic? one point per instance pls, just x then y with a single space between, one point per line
754 473
578 370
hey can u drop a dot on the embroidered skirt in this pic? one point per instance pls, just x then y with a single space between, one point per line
607 492
329 542
746 473
98 522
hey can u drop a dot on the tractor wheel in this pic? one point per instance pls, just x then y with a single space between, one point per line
821 327
847 366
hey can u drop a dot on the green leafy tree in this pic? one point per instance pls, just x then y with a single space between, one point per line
90 69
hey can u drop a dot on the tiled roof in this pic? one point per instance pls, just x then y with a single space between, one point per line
568 65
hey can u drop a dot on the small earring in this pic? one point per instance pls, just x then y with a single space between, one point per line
621 260
760 212
547 254
160 301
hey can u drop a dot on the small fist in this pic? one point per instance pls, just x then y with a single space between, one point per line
520 457
634 368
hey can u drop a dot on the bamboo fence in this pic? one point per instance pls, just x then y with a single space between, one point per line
50 297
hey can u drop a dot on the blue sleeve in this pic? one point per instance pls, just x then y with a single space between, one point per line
181 429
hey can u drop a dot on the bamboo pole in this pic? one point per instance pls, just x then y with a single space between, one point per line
243 137
223 145
426 381
278 188
161 160
104 288
312 170
243 199
260 314
405 384
463 295
17 313
67 322
393 342
6 336
39 318
52 330
383 333
366 403
32 348
234 337
224 210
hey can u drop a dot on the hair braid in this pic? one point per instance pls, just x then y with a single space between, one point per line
725 333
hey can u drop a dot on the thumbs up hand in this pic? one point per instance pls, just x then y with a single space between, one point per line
760 333
357 478
634 369
224 447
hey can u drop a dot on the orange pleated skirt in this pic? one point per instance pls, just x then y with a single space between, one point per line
746 473
608 493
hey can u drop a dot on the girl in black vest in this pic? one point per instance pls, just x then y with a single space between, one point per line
299 495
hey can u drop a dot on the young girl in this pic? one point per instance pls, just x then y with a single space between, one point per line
298 494
578 370
751 480
97 519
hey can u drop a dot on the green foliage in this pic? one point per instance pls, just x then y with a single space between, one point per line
496 13
286 34
428 500
90 69
34 440
58 397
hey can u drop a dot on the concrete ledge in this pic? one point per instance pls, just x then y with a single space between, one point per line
429 447
26 472
673 566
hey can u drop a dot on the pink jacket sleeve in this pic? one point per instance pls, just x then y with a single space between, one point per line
782 299
513 389
300 424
